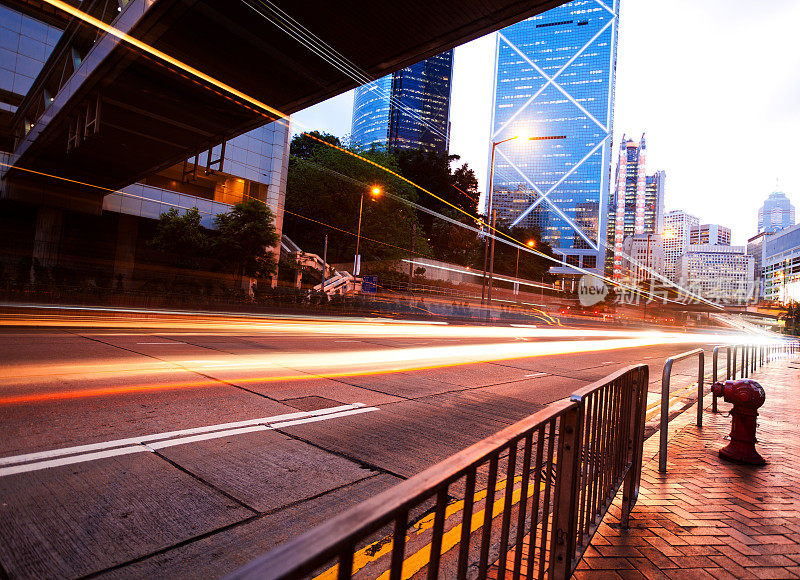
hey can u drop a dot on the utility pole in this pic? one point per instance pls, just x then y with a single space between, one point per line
491 260
411 261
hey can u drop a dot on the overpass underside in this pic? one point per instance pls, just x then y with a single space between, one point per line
106 114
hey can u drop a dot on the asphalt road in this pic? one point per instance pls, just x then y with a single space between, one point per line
150 445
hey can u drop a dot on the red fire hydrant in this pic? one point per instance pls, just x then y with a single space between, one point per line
746 396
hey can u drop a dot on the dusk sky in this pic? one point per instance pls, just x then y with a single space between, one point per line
715 84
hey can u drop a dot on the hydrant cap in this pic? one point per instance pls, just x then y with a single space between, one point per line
742 392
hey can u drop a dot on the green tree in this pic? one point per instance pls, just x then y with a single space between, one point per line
531 266
455 243
244 239
305 144
465 183
432 171
324 189
181 238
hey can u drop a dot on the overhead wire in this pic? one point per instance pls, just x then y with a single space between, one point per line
253 101
517 243
326 52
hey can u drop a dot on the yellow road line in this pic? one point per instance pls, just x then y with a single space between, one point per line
452 537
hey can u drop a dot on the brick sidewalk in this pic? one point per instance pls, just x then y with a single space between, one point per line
706 518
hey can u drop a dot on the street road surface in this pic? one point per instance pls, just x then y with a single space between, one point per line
144 444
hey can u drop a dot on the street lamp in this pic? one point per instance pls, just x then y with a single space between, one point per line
375 192
490 214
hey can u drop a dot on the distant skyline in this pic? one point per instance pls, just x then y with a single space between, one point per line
720 107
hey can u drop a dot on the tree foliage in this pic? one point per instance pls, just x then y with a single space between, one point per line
244 239
455 243
432 171
181 238
532 266
241 244
324 189
305 144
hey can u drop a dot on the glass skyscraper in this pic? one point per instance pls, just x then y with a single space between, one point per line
554 76
637 204
776 214
409 109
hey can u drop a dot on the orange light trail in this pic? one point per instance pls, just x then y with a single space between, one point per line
355 364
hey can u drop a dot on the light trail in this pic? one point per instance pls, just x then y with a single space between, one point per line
179 321
305 366
497 234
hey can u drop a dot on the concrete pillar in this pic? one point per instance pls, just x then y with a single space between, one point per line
298 278
47 240
125 255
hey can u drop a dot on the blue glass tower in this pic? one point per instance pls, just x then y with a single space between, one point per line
554 76
409 109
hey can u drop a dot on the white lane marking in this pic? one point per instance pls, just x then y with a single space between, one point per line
170 434
82 458
536 375
331 416
207 436
14 469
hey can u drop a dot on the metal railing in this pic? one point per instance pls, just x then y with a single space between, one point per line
541 485
665 382
751 356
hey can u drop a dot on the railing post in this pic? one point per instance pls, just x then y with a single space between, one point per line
728 363
733 376
662 450
744 367
700 372
714 361
564 534
630 486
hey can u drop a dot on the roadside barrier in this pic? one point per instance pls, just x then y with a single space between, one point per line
752 356
541 485
665 382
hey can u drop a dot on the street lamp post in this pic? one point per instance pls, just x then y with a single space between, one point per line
374 192
489 213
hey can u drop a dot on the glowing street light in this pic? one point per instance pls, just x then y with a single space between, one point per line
491 215
375 193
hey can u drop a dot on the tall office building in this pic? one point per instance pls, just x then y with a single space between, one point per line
637 205
554 75
755 249
776 213
677 237
409 109
718 272
781 265
713 234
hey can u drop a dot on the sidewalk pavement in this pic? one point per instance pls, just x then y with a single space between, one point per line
708 518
